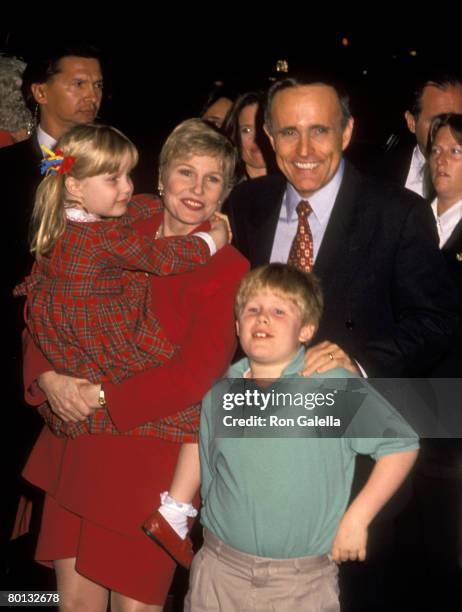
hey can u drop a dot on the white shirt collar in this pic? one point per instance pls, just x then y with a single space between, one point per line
447 222
321 202
45 139
415 177
80 216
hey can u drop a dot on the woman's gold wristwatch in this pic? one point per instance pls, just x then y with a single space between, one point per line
102 398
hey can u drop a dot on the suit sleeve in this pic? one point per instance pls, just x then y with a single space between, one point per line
237 219
424 301
206 352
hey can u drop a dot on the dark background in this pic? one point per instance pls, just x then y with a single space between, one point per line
157 76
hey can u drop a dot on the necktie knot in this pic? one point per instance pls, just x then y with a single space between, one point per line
303 207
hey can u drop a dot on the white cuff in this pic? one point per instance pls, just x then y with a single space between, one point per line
361 369
209 240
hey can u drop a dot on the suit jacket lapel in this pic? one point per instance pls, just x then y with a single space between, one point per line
35 147
455 239
340 236
264 219
403 163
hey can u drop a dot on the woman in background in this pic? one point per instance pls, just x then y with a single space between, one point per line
444 154
438 477
241 126
218 104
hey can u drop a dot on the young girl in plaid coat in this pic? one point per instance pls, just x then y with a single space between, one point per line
88 294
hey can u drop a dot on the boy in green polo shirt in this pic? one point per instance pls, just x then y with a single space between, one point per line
275 509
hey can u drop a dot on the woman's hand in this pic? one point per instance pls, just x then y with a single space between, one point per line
326 356
65 398
220 230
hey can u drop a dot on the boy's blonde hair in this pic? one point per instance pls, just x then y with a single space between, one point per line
302 288
98 149
197 137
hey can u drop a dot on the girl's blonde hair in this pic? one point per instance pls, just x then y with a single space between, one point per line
98 149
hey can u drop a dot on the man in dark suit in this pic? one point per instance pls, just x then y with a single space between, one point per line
389 301
390 307
64 87
430 96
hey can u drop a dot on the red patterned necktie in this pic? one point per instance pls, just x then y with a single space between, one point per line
301 251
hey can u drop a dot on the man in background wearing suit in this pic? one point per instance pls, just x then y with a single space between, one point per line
390 307
63 86
431 95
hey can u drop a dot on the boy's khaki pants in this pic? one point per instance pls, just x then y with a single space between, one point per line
224 579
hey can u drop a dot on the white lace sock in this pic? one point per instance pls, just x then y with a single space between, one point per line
176 513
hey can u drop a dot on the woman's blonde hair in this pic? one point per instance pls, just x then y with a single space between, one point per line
197 137
98 149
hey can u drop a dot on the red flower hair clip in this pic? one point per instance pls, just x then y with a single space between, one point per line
56 162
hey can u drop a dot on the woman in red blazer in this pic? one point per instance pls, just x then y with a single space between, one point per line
100 487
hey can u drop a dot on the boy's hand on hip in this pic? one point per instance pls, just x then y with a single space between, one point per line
350 540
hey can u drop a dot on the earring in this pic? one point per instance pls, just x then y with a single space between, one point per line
29 127
160 190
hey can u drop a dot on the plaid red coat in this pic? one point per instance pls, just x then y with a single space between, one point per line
180 427
88 303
